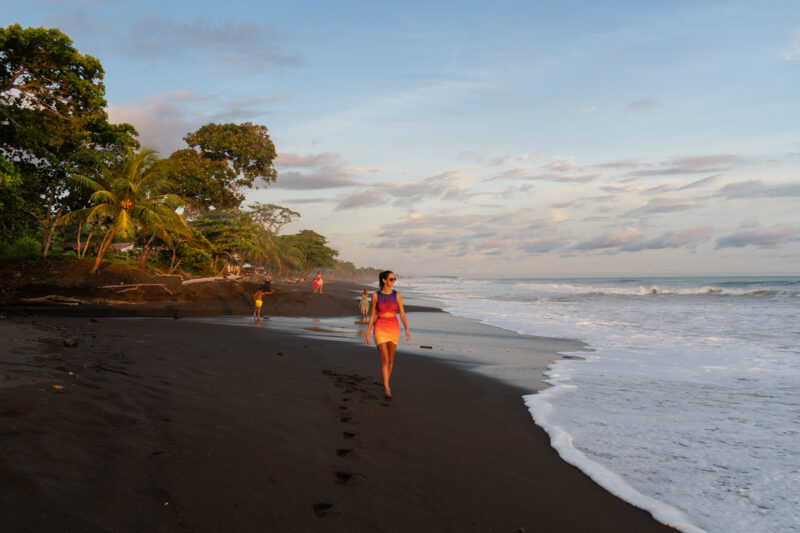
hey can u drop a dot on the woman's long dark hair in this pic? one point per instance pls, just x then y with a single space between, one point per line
382 276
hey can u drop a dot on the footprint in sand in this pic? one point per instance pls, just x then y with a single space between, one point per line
351 479
321 509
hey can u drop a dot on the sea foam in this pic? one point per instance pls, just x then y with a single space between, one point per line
688 404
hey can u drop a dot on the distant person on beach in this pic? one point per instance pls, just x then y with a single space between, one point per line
268 283
363 304
317 285
386 303
257 297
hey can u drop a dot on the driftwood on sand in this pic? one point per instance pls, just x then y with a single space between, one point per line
54 298
126 288
207 280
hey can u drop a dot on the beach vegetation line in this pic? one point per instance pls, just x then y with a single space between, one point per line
74 185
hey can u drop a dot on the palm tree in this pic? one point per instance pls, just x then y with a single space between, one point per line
284 254
131 197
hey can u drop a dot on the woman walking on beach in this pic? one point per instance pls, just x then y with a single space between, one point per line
386 303
317 285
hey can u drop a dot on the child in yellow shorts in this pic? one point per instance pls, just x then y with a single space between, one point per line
257 297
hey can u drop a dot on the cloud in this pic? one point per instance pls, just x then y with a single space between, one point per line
526 173
621 187
673 239
643 105
437 221
370 170
162 121
657 206
447 235
700 183
485 161
516 191
610 240
630 186
414 239
762 237
632 240
758 189
447 185
359 199
693 165
560 169
561 164
587 110
310 160
326 170
317 200
223 44
246 109
563 169
624 163
298 181
542 245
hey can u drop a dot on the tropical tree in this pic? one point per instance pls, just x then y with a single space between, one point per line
12 200
313 248
272 217
131 198
53 122
220 160
229 232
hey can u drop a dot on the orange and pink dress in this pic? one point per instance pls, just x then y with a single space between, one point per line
386 327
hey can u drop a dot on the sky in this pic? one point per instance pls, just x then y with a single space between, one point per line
530 138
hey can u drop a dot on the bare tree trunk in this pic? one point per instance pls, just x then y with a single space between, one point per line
173 265
103 248
82 248
82 254
49 224
80 227
146 252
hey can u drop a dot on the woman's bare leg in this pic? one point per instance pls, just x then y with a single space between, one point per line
386 365
391 348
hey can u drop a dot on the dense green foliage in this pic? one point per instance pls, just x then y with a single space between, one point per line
313 249
23 249
66 173
12 201
220 160
272 217
131 198
53 123
347 270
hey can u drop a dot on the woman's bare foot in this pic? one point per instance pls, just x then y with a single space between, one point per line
388 394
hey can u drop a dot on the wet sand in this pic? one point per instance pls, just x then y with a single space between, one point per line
179 425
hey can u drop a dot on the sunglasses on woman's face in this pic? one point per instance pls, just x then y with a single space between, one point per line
391 279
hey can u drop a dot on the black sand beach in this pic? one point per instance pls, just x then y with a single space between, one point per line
178 425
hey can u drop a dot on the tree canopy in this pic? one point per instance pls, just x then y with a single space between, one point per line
272 217
53 121
220 160
313 248
131 198
66 170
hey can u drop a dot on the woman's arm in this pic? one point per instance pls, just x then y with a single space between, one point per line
403 315
371 316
